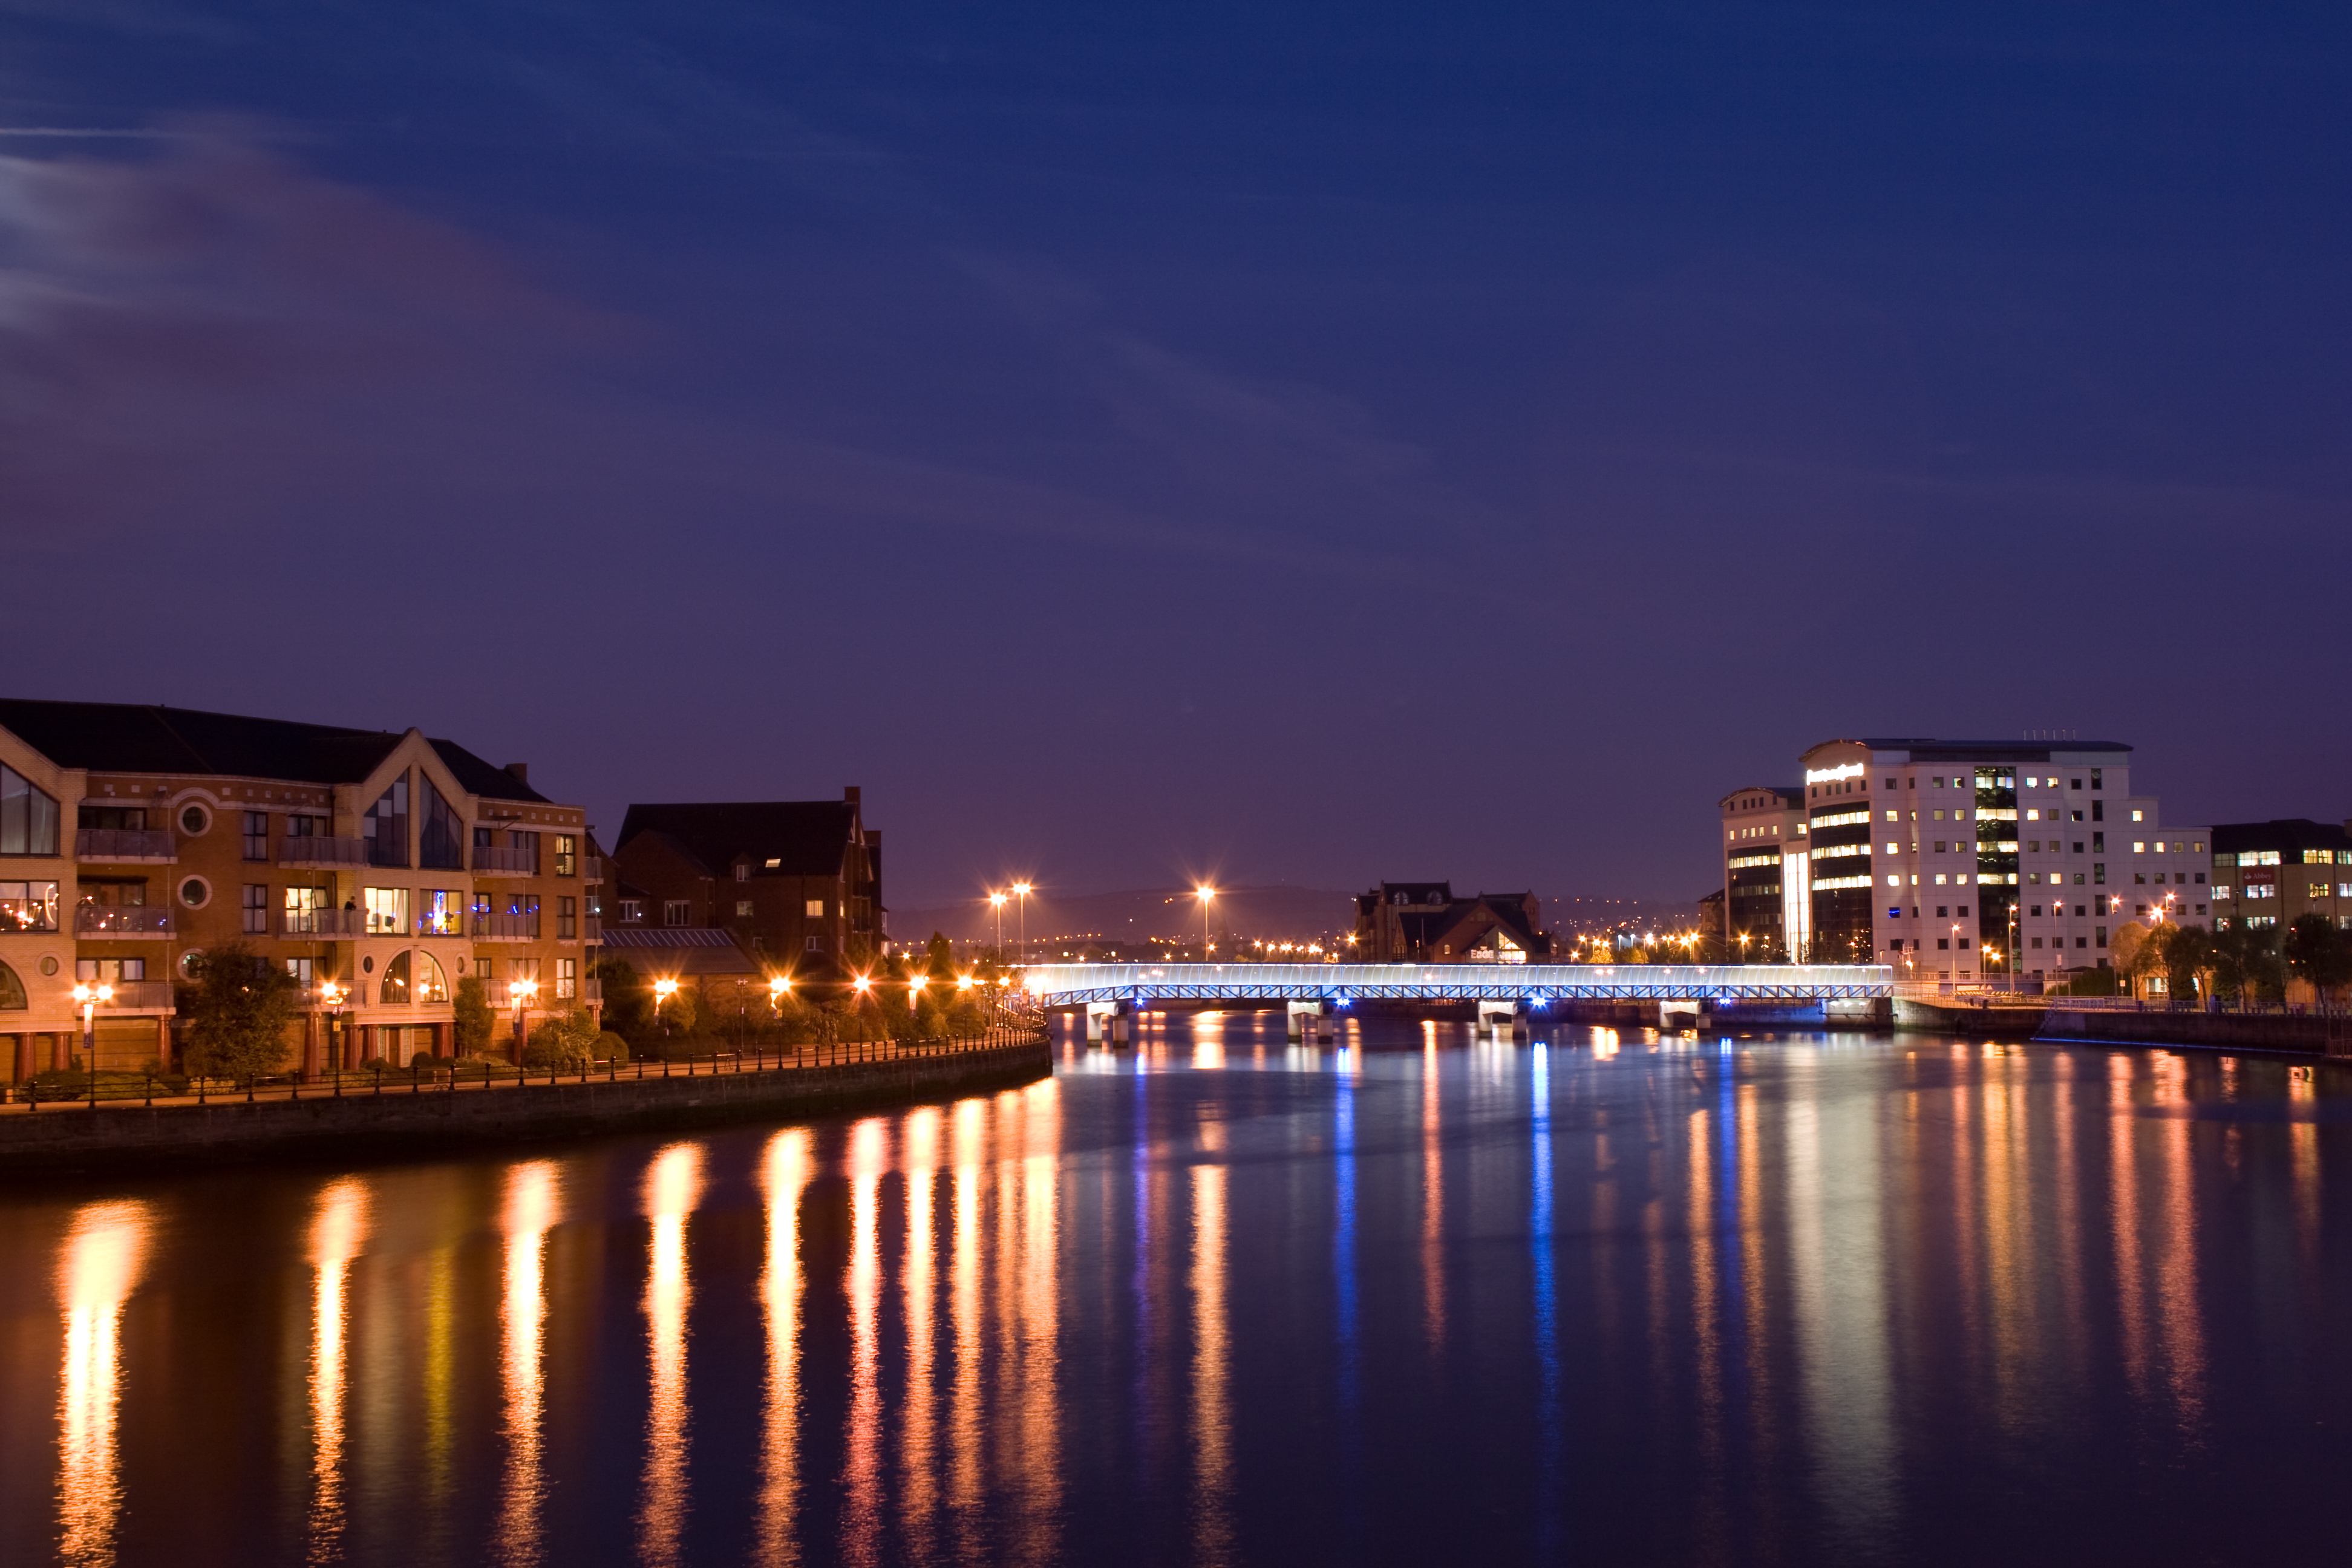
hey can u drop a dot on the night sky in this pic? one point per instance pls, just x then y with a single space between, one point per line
1290 443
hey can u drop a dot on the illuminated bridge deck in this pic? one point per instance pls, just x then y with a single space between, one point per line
1139 984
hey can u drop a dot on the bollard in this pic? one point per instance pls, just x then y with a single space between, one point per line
151 1090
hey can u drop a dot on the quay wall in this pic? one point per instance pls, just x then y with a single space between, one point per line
2057 1024
73 1138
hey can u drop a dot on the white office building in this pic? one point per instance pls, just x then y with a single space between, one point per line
1964 861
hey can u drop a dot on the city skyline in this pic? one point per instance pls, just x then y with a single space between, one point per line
1092 435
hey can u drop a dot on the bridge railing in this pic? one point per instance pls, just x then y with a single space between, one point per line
1057 984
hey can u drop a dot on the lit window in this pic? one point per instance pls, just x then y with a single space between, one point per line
387 910
2136 814
816 909
743 871
743 909
1891 817
2139 848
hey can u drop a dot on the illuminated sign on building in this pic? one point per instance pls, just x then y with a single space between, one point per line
1833 775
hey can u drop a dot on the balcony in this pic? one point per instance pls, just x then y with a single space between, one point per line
94 920
124 845
504 928
138 997
591 928
320 925
490 860
318 850
592 993
591 868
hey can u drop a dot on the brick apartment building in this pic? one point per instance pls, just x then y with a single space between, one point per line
389 866
798 884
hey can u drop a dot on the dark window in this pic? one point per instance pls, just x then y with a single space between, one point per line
256 836
529 844
2099 935
673 912
2098 811
2097 774
114 818
2081 941
567 919
2077 784
1944 943
2201 876
631 910
256 906
2099 873
29 816
12 991
441 835
386 828
1941 912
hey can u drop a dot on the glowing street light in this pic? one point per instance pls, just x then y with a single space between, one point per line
89 996
525 992
1021 891
996 901
663 991
1207 895
915 991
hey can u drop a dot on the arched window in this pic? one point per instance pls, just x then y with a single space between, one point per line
12 991
394 988
430 985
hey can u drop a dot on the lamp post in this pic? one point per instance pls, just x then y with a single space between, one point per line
1955 958
330 996
1021 891
1207 896
663 991
523 991
996 901
89 996
779 987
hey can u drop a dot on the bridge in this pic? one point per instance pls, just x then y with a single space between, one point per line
1113 992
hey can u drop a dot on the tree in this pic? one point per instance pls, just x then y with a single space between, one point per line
238 1007
564 1043
2136 953
2316 954
2188 956
2245 964
475 1021
628 1001
939 960
681 1015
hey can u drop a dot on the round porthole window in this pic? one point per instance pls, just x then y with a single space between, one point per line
194 820
367 966
195 892
188 962
461 966
48 963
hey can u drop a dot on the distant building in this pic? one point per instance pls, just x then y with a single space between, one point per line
1765 906
1423 923
2268 873
797 884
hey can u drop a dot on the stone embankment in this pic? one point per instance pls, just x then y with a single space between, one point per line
75 1137
2054 1023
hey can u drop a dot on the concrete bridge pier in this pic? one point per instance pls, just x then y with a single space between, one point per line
1099 1024
1677 1013
1501 1020
1307 1021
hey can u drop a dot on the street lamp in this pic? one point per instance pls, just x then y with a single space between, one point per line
779 985
663 991
915 991
1021 891
523 991
996 901
1207 896
89 996
330 996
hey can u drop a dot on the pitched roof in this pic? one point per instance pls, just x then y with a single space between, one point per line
679 949
804 837
149 738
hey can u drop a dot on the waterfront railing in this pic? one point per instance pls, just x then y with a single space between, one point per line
435 1075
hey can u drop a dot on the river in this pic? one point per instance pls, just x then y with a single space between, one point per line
1407 1298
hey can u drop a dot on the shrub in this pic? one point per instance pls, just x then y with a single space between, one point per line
238 1007
475 1021
561 1043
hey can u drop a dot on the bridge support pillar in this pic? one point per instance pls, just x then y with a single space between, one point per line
1677 1013
1098 1019
1500 1019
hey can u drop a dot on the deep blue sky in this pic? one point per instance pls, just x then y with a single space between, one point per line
1307 444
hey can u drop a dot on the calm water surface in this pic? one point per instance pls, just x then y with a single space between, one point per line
1812 1298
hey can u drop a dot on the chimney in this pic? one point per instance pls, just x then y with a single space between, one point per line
521 772
849 796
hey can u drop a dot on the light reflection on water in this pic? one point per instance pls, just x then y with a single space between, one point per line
1225 1299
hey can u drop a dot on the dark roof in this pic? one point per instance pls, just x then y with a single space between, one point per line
1787 795
679 949
1927 749
148 738
2289 832
805 838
